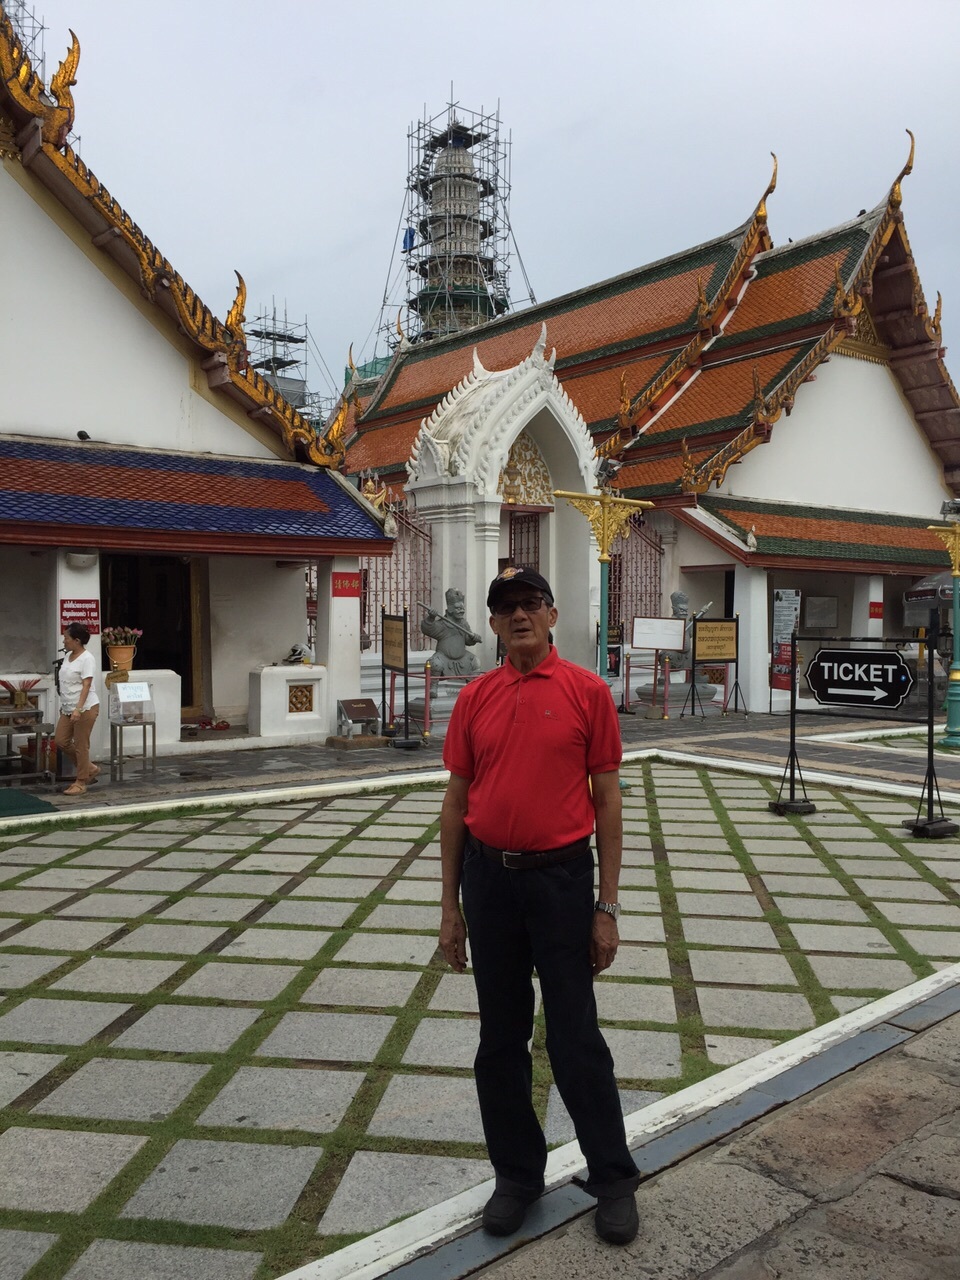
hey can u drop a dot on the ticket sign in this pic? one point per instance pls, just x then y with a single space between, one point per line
393 647
345 584
715 641
86 612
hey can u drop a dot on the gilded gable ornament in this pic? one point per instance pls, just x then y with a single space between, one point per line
525 480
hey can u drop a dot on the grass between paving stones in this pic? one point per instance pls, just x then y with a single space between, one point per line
920 965
694 1063
823 1007
296 1240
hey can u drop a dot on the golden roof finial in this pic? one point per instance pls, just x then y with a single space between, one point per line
333 437
400 334
352 367
703 305
687 468
759 402
938 313
771 188
623 413
235 316
896 194
62 81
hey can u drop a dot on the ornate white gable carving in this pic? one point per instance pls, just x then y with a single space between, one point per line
471 431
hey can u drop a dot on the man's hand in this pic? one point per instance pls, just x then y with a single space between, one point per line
453 939
604 942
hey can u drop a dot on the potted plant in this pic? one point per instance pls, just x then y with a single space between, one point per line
121 645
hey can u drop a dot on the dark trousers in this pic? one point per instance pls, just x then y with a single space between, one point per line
543 919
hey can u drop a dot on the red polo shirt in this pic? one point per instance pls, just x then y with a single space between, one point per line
527 745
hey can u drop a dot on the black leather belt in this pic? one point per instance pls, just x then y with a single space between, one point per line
530 861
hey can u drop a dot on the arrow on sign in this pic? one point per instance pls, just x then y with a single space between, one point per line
873 693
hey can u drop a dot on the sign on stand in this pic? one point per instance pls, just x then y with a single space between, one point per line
658 633
859 678
786 617
394 658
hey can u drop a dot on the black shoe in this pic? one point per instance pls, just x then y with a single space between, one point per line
617 1219
503 1214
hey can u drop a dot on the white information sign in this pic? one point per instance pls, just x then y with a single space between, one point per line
658 633
133 691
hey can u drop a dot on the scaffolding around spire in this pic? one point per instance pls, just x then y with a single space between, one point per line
455 229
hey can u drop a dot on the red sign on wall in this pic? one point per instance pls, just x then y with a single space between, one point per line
86 612
345 584
876 608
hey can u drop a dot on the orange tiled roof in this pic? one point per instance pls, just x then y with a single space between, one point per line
383 449
723 394
791 529
596 392
779 296
661 473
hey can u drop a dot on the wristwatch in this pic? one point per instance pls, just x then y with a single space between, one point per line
610 908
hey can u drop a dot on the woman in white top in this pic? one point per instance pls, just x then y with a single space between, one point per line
79 706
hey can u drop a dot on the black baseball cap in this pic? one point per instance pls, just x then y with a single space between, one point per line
514 576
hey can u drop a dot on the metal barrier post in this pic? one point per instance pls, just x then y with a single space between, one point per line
666 688
426 699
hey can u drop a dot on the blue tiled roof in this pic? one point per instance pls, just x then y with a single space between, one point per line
103 486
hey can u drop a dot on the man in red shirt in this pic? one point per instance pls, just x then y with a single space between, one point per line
533 750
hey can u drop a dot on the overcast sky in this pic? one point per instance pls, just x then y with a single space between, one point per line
272 137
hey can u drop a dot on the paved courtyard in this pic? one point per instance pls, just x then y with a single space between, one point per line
228 1044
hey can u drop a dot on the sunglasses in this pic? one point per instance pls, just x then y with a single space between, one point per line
529 604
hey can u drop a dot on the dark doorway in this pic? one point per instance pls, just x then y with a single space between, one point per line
156 594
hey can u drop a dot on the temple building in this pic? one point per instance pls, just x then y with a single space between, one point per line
149 476
786 409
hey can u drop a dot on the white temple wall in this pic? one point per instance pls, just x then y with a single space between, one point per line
851 441
26 584
257 611
80 330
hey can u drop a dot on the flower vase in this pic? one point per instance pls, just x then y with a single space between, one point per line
121 656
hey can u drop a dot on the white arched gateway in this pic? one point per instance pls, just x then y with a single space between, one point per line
482 473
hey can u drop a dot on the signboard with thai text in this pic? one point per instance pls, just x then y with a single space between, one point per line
86 612
715 641
393 646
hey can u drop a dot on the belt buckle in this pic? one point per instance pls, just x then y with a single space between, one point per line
504 855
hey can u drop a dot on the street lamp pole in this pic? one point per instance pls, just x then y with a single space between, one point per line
950 536
608 516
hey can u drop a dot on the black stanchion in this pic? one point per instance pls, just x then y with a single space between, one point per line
930 827
792 769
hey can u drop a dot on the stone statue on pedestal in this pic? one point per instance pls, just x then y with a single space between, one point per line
452 634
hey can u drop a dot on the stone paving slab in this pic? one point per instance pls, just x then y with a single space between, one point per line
276 944
187 1029
405 1184
60 935
59 1021
343 1037
20 1071
169 939
434 1108
230 1184
59 1171
19 1250
284 1098
257 982
371 988
115 977
115 1089
23 970
126 1259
